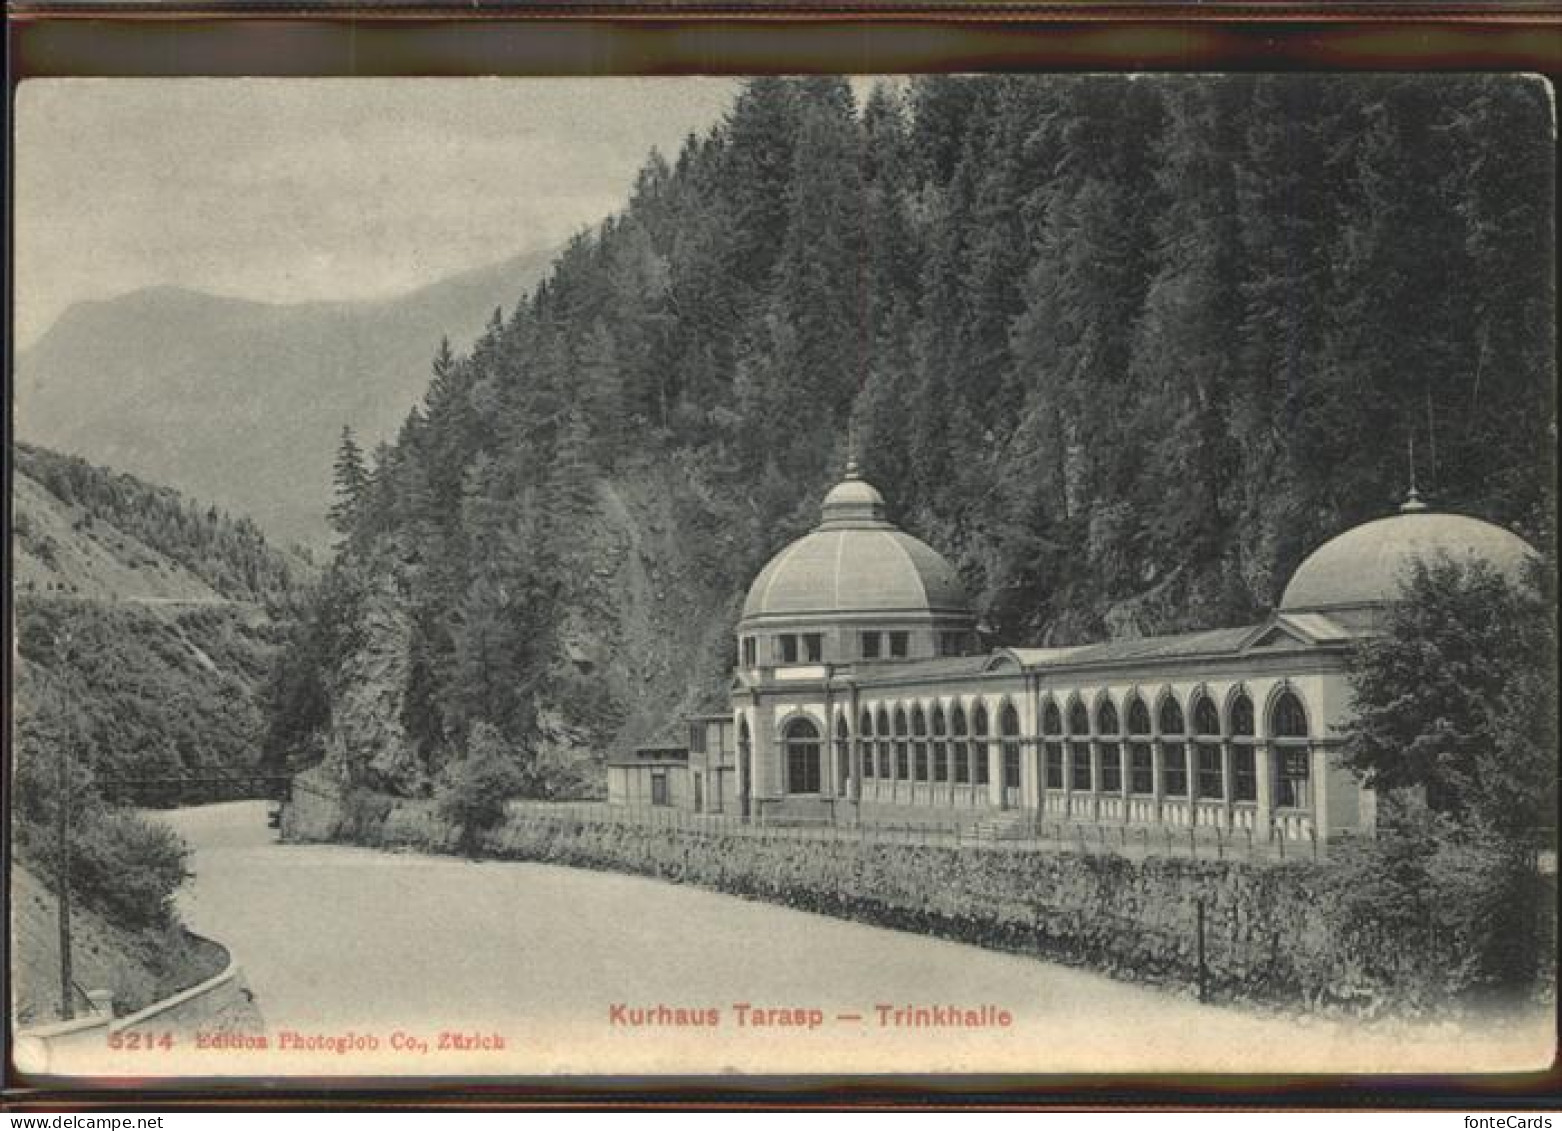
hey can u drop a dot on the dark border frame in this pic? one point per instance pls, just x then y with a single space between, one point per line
142 38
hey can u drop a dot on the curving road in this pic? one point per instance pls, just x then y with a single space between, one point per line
558 964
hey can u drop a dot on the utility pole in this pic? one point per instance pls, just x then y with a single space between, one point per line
63 880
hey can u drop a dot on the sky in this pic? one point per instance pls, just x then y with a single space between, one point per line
299 189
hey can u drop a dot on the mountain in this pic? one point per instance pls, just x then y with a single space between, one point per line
242 402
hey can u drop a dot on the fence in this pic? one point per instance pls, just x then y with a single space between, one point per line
1020 831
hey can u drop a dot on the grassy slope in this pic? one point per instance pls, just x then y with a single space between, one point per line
170 667
139 968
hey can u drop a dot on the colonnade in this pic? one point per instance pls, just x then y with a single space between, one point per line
1208 761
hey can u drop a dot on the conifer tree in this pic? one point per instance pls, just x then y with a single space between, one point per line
352 481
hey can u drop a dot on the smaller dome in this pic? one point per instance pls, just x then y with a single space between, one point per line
852 502
1367 564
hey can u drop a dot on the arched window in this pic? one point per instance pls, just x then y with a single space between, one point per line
1106 718
1244 771
1289 717
979 733
1078 719
1138 717
882 744
1052 744
1079 747
802 756
940 746
1174 751
1009 723
902 750
1242 715
1293 754
1141 760
843 748
962 746
865 742
1211 779
919 742
1110 739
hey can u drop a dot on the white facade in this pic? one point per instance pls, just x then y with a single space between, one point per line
858 693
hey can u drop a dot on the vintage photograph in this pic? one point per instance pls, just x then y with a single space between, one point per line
1013 575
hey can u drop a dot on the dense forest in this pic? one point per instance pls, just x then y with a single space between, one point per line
1124 348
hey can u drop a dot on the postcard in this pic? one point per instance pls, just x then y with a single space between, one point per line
831 577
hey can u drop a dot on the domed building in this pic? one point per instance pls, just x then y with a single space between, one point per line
856 588
862 695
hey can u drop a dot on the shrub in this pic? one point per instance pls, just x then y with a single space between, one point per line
1440 916
363 813
472 794
129 868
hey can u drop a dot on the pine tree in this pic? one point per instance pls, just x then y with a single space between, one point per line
756 160
1286 200
352 481
1183 363
603 397
810 349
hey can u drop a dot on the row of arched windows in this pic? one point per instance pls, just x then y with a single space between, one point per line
1288 718
932 746
1193 763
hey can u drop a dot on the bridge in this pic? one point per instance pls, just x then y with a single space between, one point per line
169 791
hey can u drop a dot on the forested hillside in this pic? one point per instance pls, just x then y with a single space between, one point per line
145 629
1124 349
145 625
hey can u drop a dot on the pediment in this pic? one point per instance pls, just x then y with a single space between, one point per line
1286 631
1276 637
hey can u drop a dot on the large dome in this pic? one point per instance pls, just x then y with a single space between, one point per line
1366 565
855 561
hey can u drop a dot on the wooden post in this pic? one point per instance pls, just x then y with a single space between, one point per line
1199 917
63 882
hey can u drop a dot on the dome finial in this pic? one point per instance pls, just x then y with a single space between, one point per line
1412 502
852 470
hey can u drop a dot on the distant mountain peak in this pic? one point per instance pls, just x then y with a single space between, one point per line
132 380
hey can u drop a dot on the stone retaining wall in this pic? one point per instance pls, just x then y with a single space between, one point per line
1297 934
220 1004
